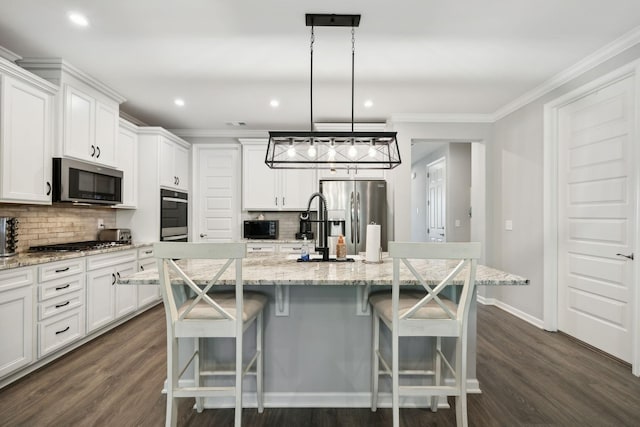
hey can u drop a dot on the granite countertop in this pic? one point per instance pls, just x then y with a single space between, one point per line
280 269
26 259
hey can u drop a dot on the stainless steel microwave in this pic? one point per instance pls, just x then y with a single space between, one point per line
261 229
80 182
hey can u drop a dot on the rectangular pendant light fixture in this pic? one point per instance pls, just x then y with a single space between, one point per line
332 150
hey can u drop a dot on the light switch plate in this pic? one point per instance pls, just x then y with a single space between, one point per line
457 223
508 225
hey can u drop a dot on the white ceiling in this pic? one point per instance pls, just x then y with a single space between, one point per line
228 58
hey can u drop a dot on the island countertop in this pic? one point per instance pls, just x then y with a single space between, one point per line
270 269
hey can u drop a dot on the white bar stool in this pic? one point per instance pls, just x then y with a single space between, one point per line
205 315
416 313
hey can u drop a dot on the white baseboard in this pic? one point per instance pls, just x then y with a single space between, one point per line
538 323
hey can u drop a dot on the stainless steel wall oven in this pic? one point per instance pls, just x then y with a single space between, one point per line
174 216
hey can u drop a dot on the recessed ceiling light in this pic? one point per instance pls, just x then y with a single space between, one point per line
368 103
274 103
179 102
79 19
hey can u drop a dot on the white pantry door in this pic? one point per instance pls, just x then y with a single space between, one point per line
218 196
436 201
596 218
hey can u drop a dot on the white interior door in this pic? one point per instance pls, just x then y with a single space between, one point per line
218 195
436 200
597 218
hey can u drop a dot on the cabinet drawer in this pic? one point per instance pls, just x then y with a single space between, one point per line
60 330
261 248
145 252
111 259
290 248
54 288
16 278
61 304
55 270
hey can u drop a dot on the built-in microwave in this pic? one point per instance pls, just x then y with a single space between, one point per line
80 182
261 229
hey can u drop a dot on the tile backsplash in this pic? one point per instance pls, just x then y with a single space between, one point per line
43 225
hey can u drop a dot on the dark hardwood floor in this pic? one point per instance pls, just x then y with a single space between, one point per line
528 377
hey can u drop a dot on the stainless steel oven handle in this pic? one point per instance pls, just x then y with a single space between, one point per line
173 199
181 236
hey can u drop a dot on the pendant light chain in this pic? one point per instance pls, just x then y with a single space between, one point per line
311 83
353 59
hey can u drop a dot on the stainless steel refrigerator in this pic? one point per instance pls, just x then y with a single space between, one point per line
351 205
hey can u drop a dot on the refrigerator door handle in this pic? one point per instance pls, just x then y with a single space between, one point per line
352 224
358 217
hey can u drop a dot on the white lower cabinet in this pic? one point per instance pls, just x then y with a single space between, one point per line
58 331
61 301
16 319
107 301
45 309
262 247
147 294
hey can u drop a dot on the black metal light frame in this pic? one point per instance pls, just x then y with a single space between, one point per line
332 150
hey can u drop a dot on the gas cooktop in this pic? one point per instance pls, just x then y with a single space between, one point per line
76 246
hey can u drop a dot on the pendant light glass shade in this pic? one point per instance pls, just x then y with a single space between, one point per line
332 150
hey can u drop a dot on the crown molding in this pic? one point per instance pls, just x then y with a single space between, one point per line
9 68
45 66
442 118
220 133
131 119
9 55
591 61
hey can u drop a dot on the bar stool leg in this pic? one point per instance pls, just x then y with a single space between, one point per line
259 362
437 380
375 363
196 367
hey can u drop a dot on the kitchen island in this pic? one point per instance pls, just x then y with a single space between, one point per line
317 329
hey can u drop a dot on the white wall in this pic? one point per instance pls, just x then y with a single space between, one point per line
458 160
516 184
458 192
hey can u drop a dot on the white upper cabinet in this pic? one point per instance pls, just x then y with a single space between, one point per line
26 134
87 115
174 164
127 162
273 189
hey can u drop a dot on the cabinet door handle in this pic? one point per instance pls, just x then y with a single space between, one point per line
98 148
141 268
62 305
63 287
118 274
178 179
93 150
48 188
60 270
203 235
283 201
148 252
64 330
113 282
276 200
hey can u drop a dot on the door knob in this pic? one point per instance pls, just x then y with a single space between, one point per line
203 235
